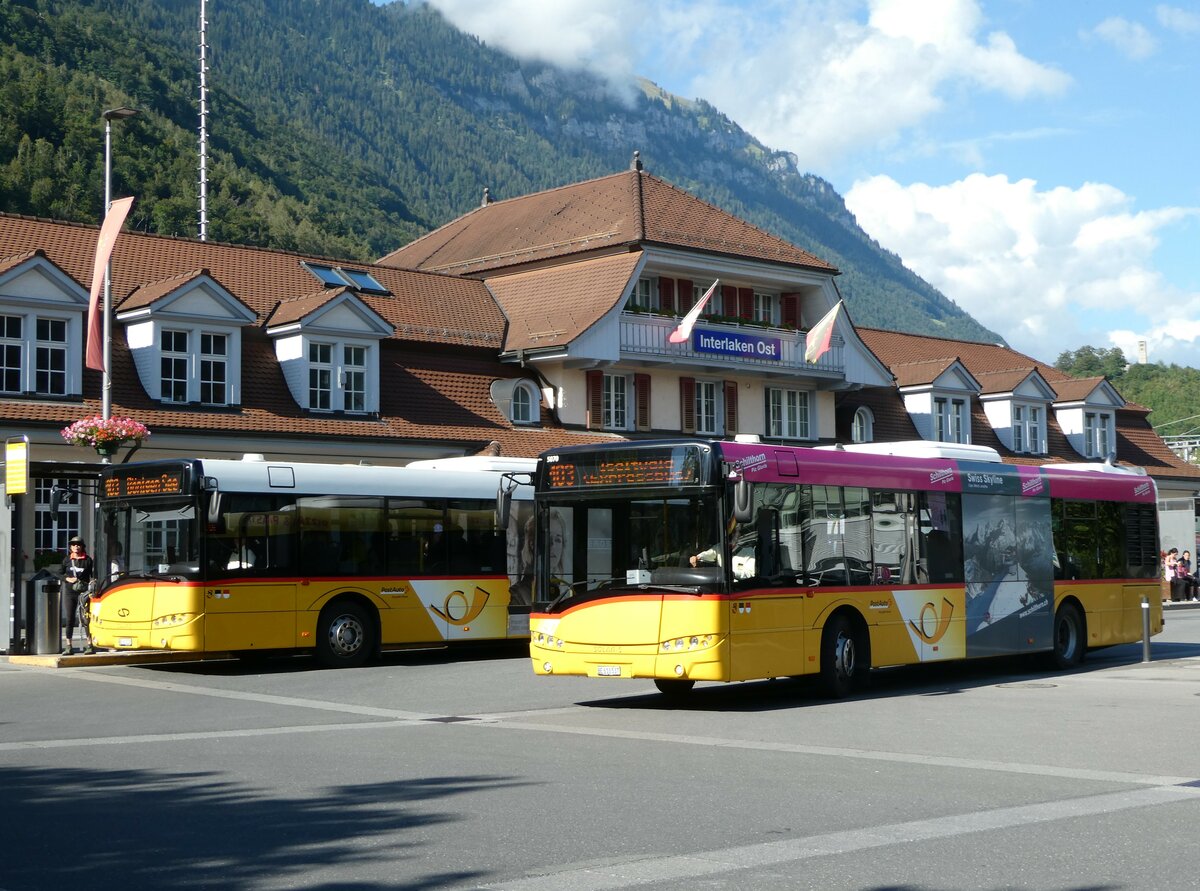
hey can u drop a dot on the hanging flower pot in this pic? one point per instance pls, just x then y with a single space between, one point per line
106 436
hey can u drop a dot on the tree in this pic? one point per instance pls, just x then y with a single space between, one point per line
1088 361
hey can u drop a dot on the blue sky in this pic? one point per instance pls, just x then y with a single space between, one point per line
1033 159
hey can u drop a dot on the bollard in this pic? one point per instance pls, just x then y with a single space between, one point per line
1145 629
47 621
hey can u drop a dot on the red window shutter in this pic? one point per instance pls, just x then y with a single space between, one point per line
641 389
684 296
595 399
731 408
789 310
666 294
687 404
729 301
745 303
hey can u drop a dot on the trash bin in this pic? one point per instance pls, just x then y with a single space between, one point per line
47 617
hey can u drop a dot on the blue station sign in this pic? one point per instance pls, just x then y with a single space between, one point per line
747 346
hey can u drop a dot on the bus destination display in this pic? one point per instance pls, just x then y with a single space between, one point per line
678 466
133 485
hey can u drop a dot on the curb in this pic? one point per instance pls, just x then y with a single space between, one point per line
110 657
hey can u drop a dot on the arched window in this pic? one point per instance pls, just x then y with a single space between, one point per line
864 426
525 402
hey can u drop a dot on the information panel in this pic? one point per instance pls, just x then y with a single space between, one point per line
135 482
659 466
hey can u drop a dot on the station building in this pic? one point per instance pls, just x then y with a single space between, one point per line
522 325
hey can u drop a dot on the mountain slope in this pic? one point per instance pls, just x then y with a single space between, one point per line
343 128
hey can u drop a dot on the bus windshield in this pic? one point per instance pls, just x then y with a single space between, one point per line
600 545
152 537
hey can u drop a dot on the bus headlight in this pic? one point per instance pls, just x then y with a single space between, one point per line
695 642
172 620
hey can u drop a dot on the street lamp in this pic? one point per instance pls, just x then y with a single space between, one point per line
113 114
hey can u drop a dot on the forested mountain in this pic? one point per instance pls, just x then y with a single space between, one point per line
347 129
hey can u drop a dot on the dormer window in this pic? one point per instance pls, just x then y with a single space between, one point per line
950 419
1027 429
45 339
337 376
863 428
1097 434
190 376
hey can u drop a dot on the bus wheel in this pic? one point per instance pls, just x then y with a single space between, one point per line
842 658
343 635
1069 645
674 688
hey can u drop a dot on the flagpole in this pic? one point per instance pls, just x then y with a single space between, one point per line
106 391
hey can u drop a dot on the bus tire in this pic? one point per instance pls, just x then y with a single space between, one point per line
674 688
345 635
844 657
1070 644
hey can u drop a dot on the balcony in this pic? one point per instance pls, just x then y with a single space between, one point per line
644 336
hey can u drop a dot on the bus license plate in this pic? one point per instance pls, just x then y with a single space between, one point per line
608 671
124 641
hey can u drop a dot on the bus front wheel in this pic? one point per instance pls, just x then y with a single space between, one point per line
843 658
1069 643
344 635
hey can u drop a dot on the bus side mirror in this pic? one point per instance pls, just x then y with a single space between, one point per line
742 502
504 503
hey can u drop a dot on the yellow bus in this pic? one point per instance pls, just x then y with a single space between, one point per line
253 556
687 561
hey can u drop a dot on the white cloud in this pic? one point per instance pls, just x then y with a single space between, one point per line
1050 270
819 78
1130 38
1178 20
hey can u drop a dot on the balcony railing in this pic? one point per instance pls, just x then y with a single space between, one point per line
724 343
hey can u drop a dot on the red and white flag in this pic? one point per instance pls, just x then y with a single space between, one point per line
821 334
684 331
113 220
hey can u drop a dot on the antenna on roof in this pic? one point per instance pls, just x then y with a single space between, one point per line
203 123
487 197
637 161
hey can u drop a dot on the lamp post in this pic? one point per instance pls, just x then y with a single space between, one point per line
113 114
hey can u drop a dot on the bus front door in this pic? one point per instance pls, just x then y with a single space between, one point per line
247 613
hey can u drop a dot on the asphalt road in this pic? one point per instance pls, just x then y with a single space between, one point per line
462 770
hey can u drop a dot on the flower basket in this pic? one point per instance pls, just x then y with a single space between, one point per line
105 436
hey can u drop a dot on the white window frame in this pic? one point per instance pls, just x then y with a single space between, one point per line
645 294
52 532
28 346
764 308
210 361
318 365
615 402
862 429
789 413
709 396
181 360
353 378
1028 428
950 419
50 348
526 404
1097 434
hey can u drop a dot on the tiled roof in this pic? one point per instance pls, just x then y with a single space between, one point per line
422 306
614 211
895 348
1002 381
1077 388
296 308
435 371
552 306
912 374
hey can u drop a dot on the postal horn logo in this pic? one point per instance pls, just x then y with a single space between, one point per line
931 626
457 609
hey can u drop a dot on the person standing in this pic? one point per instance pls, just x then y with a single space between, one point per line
1169 574
78 570
1183 571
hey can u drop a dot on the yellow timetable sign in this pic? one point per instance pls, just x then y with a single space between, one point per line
16 465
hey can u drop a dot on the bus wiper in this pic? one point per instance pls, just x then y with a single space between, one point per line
607 584
162 576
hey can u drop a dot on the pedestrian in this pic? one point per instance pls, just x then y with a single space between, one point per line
1183 571
1169 574
78 570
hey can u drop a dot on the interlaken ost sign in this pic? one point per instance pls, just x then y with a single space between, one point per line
747 346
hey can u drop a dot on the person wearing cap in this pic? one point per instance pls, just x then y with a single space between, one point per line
78 570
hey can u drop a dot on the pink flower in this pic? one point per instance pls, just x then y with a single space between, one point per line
96 431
